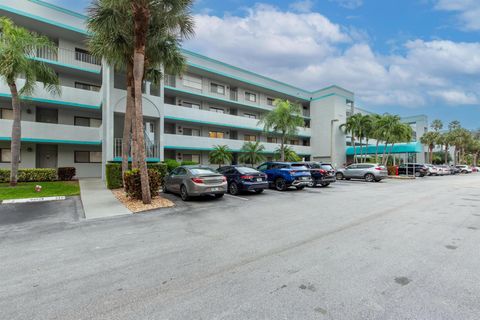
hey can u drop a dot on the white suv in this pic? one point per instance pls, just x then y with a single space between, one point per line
464 168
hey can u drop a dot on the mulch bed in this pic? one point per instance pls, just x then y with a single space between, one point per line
137 205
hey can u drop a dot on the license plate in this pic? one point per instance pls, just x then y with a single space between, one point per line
259 179
304 178
215 189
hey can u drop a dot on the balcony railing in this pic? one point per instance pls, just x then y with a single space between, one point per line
151 150
67 56
170 80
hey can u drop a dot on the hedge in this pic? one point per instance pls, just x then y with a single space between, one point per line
113 173
30 175
171 164
133 186
66 173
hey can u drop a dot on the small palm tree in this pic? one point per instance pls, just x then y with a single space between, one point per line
251 153
430 139
283 120
352 127
220 154
289 154
16 46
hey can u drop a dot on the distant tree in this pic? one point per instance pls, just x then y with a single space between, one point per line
430 139
437 125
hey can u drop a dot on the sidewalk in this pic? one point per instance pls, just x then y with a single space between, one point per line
98 201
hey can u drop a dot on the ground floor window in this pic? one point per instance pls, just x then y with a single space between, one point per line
191 157
5 155
6 114
88 157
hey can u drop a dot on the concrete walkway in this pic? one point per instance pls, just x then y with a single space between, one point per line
98 201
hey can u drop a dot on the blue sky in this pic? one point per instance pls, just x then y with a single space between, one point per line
406 57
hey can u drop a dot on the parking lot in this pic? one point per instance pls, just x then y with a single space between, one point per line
397 249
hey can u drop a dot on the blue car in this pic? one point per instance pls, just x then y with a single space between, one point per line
282 175
244 179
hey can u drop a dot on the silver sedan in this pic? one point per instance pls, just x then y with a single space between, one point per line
191 181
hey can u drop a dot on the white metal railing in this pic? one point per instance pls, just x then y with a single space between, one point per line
67 56
170 80
151 150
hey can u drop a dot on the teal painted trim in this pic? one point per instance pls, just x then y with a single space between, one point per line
330 95
38 18
220 124
60 9
66 65
202 95
332 87
118 159
57 102
247 81
35 140
210 149
414 147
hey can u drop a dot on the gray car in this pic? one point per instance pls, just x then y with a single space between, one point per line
366 171
189 181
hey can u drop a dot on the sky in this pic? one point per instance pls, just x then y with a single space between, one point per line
405 57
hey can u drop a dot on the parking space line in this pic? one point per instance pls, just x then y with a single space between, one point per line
237 197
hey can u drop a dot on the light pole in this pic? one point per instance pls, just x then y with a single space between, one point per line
332 140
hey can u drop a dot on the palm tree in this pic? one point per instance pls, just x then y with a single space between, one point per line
430 139
437 125
364 131
389 124
251 152
400 132
16 46
445 140
284 120
377 132
352 127
289 154
220 154
453 125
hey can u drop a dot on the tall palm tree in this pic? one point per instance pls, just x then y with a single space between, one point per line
453 125
445 140
390 124
364 132
430 139
377 132
289 154
283 120
16 46
352 127
437 125
251 152
220 154
400 132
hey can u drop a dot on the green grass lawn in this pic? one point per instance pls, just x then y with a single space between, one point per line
49 189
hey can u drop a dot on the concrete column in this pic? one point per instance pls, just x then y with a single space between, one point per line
107 115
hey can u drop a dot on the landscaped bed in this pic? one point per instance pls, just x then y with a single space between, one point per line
49 189
136 206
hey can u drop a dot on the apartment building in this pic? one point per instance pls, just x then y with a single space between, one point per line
213 103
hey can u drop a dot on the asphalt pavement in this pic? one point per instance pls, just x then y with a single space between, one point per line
355 250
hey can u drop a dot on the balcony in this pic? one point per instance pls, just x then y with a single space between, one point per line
69 96
68 58
52 133
173 141
180 113
152 151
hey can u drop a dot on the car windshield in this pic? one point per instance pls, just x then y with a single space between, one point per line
245 170
298 165
326 167
200 171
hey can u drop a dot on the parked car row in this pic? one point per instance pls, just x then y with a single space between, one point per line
198 180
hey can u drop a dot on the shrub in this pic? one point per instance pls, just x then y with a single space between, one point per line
188 163
392 170
133 186
30 175
113 173
66 173
171 164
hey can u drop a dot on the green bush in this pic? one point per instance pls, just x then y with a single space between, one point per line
188 163
133 186
66 173
171 164
30 175
113 173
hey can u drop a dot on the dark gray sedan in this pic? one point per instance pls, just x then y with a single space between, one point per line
189 181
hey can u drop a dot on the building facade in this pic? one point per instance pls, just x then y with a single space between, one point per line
213 103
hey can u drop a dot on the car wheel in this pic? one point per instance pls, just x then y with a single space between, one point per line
418 174
325 184
258 191
464 172
219 195
300 188
339 176
369 177
312 184
280 184
165 190
233 188
184 193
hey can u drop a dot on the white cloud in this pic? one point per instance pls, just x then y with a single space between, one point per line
349 4
310 51
302 6
468 12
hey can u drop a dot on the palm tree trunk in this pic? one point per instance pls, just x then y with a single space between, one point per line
384 153
446 154
127 125
16 133
141 17
354 149
366 149
282 148
376 152
431 154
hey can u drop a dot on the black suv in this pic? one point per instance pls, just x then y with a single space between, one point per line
410 169
322 173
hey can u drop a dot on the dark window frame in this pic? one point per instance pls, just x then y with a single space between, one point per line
89 121
89 157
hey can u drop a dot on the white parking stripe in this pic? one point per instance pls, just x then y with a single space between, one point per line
229 195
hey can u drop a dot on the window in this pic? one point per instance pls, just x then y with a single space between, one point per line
88 157
217 88
86 86
191 157
217 110
250 115
216 134
191 105
252 97
5 155
270 101
87 122
192 81
250 137
263 167
201 171
272 139
6 114
191 132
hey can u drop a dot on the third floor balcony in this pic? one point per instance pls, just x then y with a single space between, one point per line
77 58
